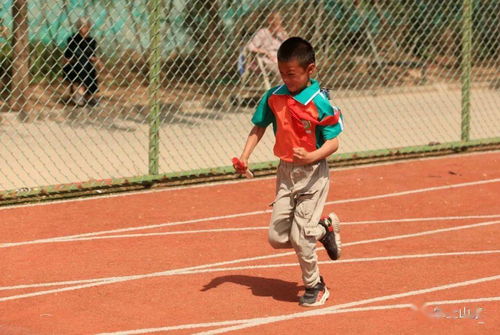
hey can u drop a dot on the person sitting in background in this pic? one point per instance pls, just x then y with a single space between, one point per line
81 63
266 42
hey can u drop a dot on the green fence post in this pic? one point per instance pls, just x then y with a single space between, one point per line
154 85
466 67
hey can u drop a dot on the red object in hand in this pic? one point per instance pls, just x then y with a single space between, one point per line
241 168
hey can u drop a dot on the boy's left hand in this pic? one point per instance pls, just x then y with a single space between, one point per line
302 156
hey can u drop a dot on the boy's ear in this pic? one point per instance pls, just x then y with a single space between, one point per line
311 68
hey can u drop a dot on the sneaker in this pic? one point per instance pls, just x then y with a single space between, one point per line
315 296
331 240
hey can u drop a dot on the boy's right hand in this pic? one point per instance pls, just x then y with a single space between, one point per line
241 167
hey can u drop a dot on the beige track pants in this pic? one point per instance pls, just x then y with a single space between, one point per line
301 193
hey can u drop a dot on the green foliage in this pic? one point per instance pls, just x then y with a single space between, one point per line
46 62
203 22
5 72
45 65
486 25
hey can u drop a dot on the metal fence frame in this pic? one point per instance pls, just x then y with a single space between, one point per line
226 172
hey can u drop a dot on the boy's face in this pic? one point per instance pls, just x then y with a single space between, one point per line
295 77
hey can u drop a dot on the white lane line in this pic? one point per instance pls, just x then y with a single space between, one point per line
350 306
225 230
111 280
179 232
428 232
421 190
346 310
237 215
267 320
180 327
227 323
57 283
436 218
342 261
72 237
461 301
267 266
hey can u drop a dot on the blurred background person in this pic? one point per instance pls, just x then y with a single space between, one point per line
81 64
266 41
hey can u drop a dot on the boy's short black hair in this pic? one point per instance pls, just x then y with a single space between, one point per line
297 48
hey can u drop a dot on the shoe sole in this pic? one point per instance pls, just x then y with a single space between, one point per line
320 302
336 229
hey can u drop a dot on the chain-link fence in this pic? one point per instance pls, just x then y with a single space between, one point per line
168 86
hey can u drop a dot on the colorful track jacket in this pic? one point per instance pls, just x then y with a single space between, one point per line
305 120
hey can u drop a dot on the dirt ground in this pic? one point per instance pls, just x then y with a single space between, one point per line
69 144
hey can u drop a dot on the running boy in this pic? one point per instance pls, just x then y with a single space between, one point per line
306 128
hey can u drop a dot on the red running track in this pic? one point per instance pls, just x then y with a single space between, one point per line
421 256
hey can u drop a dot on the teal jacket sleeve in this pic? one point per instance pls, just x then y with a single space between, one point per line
263 115
325 109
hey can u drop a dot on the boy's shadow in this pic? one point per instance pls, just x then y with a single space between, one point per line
263 287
